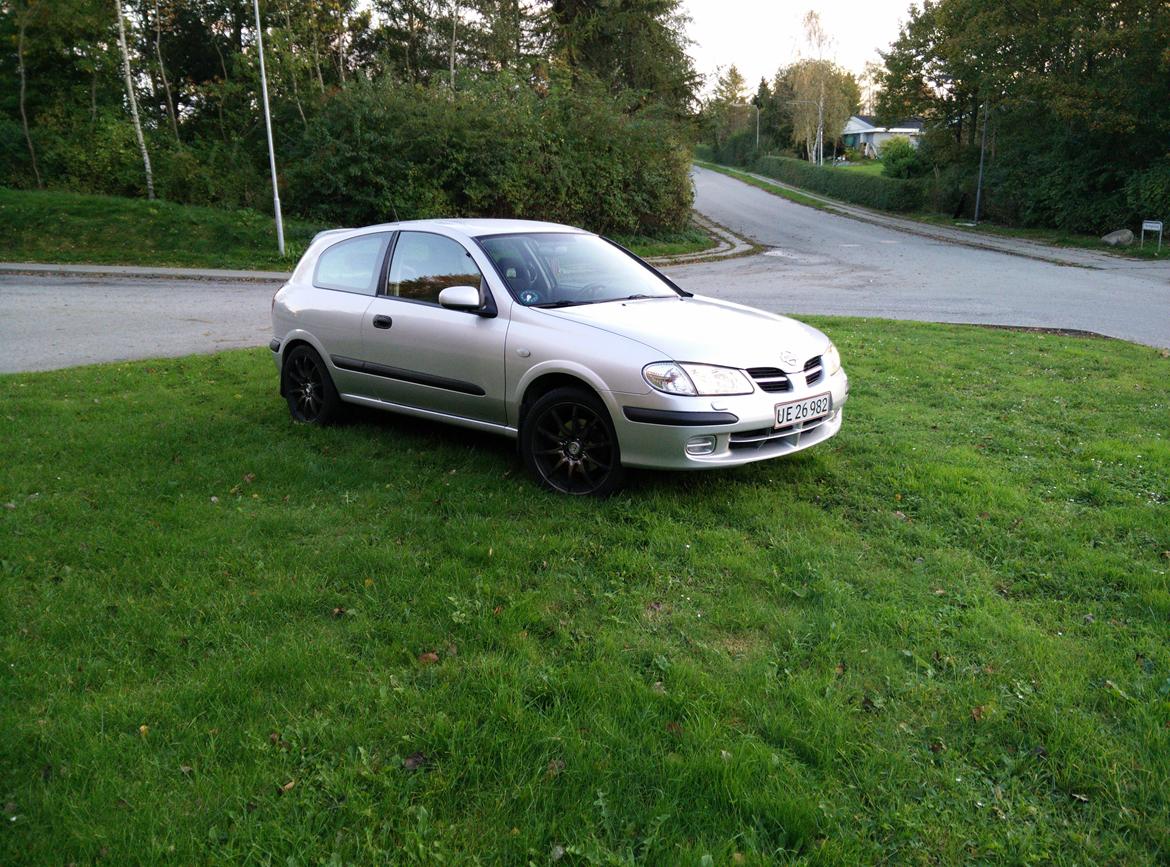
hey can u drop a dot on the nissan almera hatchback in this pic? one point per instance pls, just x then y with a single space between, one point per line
588 356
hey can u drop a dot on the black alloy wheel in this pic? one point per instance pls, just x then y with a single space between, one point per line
568 442
308 388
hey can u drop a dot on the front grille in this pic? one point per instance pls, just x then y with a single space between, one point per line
814 371
761 437
770 379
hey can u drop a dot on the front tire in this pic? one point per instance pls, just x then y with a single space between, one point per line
308 388
568 443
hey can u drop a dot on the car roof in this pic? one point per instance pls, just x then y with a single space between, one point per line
478 227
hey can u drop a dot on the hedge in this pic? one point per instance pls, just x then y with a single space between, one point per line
885 194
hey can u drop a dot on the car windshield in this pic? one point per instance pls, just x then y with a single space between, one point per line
555 269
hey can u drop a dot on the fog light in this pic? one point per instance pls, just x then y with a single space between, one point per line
703 445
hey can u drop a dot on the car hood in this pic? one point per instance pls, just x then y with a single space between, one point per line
706 330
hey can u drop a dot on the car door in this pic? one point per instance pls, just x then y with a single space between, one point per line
427 356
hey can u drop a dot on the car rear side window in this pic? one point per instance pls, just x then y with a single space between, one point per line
425 264
352 265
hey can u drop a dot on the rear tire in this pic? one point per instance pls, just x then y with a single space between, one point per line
308 388
568 443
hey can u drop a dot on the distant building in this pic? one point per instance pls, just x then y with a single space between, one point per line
862 132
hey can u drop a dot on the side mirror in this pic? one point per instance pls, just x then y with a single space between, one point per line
460 298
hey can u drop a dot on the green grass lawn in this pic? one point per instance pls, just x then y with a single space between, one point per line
869 167
70 228
940 637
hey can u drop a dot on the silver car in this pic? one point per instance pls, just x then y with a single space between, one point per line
588 356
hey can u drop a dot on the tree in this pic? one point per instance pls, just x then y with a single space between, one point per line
133 100
824 96
637 46
719 111
22 27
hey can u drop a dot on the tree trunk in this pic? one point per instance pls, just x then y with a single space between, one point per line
32 151
133 101
162 70
454 24
295 89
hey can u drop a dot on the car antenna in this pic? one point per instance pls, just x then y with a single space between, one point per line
395 210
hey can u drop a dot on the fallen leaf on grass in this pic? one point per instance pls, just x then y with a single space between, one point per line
249 477
674 729
144 730
901 516
414 761
554 768
428 658
978 712
186 770
338 612
659 687
840 669
1084 799
725 755
938 591
938 747
287 787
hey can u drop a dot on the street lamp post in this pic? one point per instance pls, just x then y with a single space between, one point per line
982 151
268 128
757 108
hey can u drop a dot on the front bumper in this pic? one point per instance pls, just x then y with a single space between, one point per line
655 429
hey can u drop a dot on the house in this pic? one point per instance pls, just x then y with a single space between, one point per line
863 132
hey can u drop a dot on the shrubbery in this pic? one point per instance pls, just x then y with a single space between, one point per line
886 194
900 159
499 150
571 156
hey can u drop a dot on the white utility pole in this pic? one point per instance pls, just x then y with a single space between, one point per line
268 128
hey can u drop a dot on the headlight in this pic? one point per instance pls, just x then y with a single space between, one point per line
831 359
695 379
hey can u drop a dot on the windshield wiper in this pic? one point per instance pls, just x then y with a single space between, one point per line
550 304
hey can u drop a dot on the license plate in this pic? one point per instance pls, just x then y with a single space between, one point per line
803 410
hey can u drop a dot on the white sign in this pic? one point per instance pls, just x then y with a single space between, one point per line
1152 226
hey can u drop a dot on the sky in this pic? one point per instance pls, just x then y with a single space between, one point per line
760 36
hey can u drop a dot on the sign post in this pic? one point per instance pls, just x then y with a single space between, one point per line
1152 226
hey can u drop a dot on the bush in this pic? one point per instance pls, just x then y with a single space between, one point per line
738 149
886 194
1148 192
499 149
899 158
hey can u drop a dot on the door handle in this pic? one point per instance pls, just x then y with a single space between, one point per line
383 321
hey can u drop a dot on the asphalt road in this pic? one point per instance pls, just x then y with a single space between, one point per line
815 262
819 262
52 321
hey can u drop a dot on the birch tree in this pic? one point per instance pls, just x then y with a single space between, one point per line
22 28
133 100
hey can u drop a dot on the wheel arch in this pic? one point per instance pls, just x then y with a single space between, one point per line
292 343
546 382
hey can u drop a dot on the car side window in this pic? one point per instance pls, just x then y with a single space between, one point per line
352 265
425 264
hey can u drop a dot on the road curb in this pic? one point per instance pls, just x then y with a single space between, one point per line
38 268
